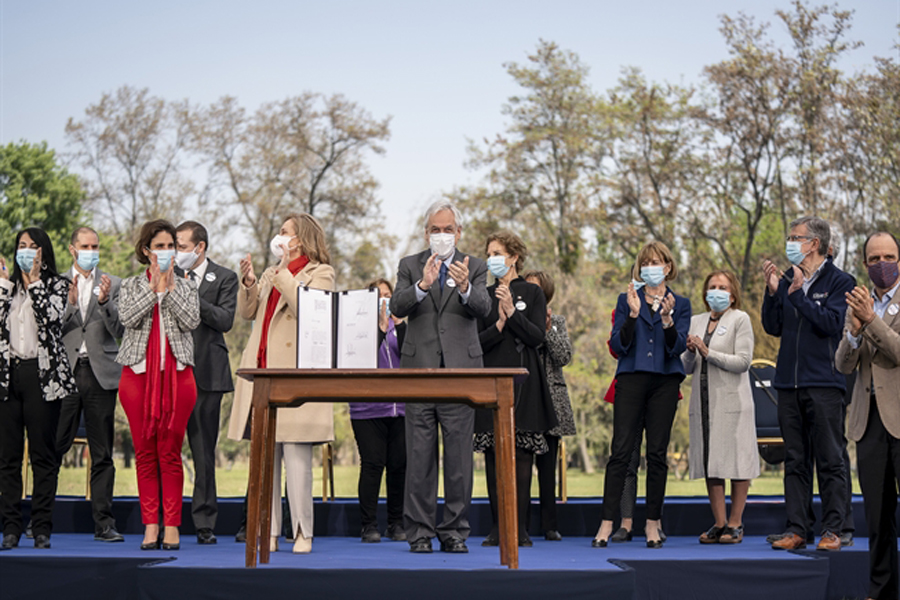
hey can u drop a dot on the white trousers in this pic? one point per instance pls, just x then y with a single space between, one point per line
298 474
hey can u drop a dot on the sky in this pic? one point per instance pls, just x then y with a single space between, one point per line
435 67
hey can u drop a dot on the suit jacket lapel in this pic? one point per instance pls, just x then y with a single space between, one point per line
204 285
92 303
645 309
448 289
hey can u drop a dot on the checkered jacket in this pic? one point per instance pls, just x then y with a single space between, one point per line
180 310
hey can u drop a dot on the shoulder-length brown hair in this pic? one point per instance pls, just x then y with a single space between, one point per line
733 283
655 250
544 281
149 231
311 237
381 280
513 245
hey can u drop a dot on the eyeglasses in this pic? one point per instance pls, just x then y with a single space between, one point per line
797 238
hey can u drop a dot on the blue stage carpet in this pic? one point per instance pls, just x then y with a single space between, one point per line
342 567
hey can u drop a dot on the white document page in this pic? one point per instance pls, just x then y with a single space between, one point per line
357 331
314 329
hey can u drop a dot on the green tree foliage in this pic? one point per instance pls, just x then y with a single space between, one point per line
36 192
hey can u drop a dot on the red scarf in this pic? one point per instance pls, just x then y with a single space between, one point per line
295 266
161 386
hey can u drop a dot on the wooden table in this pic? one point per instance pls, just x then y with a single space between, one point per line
482 388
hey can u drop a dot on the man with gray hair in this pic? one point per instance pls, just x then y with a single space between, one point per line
805 307
444 293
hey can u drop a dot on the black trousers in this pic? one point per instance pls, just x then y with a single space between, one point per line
26 410
99 406
524 466
812 424
382 445
546 472
202 434
878 461
644 401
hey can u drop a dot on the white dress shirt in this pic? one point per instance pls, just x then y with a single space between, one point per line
85 289
200 272
23 337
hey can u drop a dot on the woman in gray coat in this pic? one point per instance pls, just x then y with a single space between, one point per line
722 417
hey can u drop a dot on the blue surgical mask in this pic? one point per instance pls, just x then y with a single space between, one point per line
88 259
497 266
637 284
164 259
653 275
794 254
718 300
25 258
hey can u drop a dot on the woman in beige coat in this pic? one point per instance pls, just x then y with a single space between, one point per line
271 302
722 416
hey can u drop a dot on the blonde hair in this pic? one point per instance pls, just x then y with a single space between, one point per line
311 237
655 250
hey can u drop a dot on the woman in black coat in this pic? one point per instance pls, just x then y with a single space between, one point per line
510 337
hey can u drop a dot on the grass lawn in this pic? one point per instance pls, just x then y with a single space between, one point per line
233 482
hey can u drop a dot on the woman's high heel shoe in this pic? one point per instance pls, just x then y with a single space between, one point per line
598 543
654 544
622 535
150 545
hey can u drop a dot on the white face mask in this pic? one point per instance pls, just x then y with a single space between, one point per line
277 242
442 244
186 260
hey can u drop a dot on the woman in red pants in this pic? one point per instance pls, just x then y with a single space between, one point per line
157 388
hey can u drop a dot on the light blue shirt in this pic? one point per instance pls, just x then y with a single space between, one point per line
807 283
880 308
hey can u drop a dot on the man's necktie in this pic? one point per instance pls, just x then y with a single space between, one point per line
443 276
192 275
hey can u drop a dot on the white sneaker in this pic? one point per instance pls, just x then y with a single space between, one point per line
302 545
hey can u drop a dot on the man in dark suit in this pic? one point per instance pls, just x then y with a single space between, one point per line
212 370
90 328
443 293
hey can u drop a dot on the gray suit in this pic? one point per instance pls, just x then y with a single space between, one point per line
442 332
97 377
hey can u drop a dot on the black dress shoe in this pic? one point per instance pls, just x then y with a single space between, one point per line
621 535
175 546
525 540
241 536
109 534
492 539
421 546
370 534
10 541
846 538
454 546
42 542
395 532
552 535
206 537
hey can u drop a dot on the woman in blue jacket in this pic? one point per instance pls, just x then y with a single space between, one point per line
648 336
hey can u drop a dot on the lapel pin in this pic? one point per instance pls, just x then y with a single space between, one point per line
451 282
893 310
210 277
520 305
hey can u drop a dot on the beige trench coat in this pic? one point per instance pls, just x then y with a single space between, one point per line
310 423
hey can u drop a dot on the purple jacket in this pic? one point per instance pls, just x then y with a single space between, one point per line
388 358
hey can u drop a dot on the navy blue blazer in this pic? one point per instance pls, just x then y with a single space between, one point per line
648 352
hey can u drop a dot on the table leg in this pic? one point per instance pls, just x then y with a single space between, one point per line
254 485
266 517
505 438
